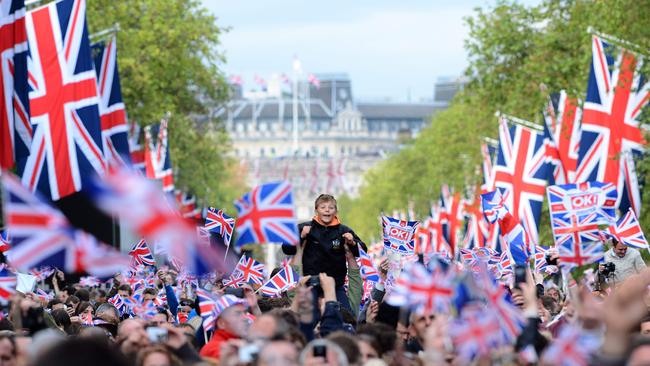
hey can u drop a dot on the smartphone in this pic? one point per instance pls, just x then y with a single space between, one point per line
157 334
248 353
520 274
320 351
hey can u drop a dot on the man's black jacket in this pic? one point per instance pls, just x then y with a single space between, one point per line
324 252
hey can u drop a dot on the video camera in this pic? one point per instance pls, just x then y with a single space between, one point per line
608 269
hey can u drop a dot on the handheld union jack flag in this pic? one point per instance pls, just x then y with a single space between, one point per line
573 229
478 228
141 254
233 281
7 285
367 268
266 215
119 303
399 234
250 270
628 231
15 128
504 267
283 281
451 217
579 254
66 149
515 236
207 308
43 236
422 291
572 347
475 333
219 223
562 136
89 281
187 205
5 241
616 95
111 108
510 318
584 199
522 170
41 273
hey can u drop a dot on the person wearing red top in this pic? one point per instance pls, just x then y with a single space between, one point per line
231 324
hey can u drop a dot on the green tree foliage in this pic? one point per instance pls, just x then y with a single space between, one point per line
512 49
169 62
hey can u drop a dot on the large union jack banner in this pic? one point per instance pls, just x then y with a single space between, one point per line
67 145
111 107
157 159
628 231
216 221
562 133
616 94
266 215
15 129
583 199
522 170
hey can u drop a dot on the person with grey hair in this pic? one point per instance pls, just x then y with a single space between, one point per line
323 351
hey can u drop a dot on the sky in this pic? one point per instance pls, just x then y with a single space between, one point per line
391 50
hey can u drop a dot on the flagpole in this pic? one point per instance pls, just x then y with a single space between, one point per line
519 121
615 39
114 29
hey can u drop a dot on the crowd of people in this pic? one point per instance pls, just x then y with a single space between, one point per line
325 319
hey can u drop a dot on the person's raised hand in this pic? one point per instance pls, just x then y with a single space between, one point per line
349 239
372 311
329 287
384 266
175 337
305 231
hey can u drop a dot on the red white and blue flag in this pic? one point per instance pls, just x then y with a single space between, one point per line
207 308
451 217
584 199
617 92
399 235
572 347
15 127
475 333
283 281
574 254
157 159
522 170
66 149
141 254
112 112
5 241
250 270
89 281
421 290
562 136
187 205
7 285
366 267
628 231
219 223
514 235
510 318
267 215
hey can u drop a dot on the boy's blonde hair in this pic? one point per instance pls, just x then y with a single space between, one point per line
325 198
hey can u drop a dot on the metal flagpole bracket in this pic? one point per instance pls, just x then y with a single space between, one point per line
105 32
632 46
519 121
490 141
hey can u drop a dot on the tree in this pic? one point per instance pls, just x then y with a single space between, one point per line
512 49
168 58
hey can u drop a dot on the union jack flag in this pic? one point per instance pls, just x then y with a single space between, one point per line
628 231
187 205
66 149
515 236
509 317
488 152
283 281
207 308
494 205
562 134
422 237
574 229
540 261
89 281
266 215
87 319
5 241
616 95
136 135
141 254
399 234
119 303
15 129
477 256
478 228
475 333
7 285
43 296
451 215
233 281
367 269
522 170
157 159
422 291
227 301
43 236
41 273
504 266
584 199
572 347
145 310
579 254
111 108
439 243
219 223
250 270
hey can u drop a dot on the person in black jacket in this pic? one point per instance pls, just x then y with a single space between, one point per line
322 240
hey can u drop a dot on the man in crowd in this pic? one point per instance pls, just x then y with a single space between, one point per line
627 261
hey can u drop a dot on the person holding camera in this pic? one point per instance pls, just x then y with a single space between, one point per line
322 242
621 262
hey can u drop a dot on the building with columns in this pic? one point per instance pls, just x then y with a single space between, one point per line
338 137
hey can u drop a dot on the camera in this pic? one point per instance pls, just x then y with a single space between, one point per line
248 353
239 292
314 281
608 269
157 335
